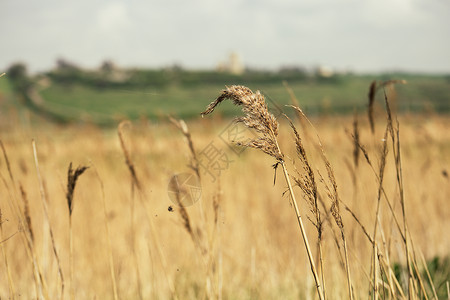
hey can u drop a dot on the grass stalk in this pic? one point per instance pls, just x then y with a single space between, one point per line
308 185
448 289
257 117
375 229
47 218
153 232
347 265
72 177
206 248
385 263
332 193
419 279
108 237
134 186
390 206
424 263
303 233
12 292
395 137
387 270
40 284
72 284
301 119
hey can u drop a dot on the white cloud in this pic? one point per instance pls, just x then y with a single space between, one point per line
114 18
364 34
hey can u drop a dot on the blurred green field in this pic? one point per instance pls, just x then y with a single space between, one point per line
341 94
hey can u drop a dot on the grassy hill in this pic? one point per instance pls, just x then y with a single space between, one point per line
87 98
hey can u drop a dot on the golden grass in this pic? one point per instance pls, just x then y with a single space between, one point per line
256 252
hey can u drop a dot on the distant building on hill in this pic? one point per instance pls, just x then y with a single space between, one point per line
108 66
324 71
233 65
112 72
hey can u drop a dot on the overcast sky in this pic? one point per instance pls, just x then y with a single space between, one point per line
360 35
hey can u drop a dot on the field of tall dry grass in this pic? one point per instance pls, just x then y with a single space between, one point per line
125 238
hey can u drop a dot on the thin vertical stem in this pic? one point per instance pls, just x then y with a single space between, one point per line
72 288
322 275
12 293
428 274
108 237
349 282
303 232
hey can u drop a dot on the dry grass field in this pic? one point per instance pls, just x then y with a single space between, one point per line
241 240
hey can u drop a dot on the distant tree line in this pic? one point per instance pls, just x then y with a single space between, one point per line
110 76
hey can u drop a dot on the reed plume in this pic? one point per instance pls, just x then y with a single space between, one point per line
195 163
308 185
371 95
134 179
72 177
26 212
374 87
332 193
356 140
257 117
